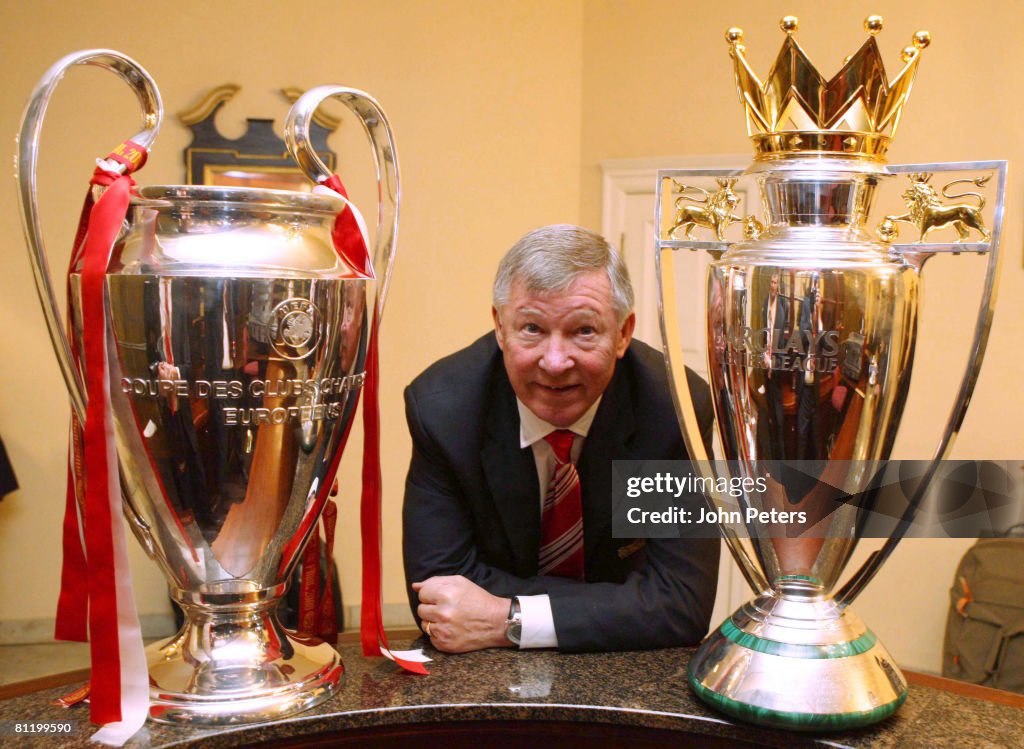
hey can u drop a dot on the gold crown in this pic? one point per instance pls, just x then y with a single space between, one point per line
797 112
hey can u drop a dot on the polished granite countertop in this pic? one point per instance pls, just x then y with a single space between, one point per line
633 691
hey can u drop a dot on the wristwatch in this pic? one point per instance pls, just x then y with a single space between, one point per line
514 623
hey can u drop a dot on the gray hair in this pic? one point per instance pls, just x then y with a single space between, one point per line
552 257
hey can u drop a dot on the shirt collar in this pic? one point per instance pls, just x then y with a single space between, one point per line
532 428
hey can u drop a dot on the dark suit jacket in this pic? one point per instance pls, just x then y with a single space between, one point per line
472 502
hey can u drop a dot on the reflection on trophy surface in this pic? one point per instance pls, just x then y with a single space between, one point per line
811 327
237 335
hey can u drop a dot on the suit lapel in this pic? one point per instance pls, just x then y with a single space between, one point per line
608 439
512 476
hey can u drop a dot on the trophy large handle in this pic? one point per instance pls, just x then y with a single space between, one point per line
374 121
664 260
25 171
982 327
683 401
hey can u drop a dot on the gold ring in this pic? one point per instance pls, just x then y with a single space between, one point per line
426 628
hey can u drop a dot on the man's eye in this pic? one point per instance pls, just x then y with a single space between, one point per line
531 328
587 330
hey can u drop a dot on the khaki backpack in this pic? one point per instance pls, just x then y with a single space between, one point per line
985 629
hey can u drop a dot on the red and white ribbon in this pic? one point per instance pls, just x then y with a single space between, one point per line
96 596
351 243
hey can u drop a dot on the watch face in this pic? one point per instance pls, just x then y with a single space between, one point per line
515 633
514 623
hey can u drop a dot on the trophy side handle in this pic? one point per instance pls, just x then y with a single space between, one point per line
25 165
375 123
683 401
982 328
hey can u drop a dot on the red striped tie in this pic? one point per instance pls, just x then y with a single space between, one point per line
561 545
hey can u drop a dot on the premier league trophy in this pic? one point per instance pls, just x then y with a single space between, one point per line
236 325
812 319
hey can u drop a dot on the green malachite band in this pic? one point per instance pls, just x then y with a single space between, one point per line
791 720
862 644
806 578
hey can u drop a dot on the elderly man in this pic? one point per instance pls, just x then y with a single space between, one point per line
507 516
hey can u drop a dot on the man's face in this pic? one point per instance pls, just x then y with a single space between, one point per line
560 348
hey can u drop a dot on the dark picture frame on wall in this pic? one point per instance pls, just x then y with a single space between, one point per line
259 158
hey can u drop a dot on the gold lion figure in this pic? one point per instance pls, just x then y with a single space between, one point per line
926 211
713 211
752 228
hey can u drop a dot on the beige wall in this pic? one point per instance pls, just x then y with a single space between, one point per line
503 112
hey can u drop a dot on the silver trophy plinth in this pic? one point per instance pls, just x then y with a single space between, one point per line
811 332
237 339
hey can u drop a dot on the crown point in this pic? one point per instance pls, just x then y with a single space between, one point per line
789 24
734 35
922 39
873 24
909 53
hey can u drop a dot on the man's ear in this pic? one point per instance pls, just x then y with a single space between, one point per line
626 335
497 327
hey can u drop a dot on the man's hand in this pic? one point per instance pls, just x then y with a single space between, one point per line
460 616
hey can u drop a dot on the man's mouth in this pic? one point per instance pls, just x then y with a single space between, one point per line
556 388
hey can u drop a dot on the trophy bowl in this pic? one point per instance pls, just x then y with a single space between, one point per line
236 333
812 321
235 384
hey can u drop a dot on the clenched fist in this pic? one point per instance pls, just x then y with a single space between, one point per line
460 616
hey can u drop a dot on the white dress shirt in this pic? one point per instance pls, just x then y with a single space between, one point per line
538 623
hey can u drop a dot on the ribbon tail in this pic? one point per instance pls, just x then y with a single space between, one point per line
374 639
120 689
309 581
73 603
327 620
410 660
350 242
134 674
371 624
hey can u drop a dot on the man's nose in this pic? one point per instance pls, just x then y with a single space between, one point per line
557 357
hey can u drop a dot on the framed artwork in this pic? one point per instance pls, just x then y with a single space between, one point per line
259 158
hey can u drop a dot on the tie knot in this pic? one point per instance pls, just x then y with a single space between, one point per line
561 442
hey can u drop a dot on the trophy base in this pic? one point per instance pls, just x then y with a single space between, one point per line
793 659
217 673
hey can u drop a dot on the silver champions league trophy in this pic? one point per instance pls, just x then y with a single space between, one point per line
237 346
811 319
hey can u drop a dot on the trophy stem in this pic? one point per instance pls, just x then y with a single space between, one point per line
838 200
234 664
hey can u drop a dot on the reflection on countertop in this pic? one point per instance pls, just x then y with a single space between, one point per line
543 698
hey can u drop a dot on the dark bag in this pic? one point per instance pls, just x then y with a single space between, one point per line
985 629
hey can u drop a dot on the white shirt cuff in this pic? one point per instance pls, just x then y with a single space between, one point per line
538 623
